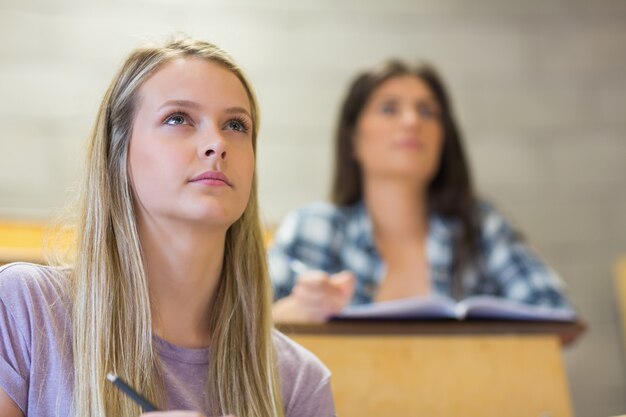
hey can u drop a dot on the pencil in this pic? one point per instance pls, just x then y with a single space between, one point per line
134 395
298 266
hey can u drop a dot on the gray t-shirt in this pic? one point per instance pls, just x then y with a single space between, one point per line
36 368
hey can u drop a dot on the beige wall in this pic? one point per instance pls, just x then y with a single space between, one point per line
539 87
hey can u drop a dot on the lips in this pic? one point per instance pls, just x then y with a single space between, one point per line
212 178
410 142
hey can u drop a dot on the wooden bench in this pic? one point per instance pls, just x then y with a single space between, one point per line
25 241
21 241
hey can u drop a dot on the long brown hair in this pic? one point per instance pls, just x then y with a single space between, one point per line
111 318
450 192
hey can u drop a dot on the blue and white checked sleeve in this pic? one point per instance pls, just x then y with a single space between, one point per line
311 235
514 269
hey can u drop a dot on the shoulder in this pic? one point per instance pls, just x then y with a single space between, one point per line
305 380
25 287
295 361
486 219
316 221
27 278
491 222
485 210
34 328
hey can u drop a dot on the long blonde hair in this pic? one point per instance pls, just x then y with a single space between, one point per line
112 324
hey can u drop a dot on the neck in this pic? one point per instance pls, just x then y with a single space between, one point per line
398 209
183 267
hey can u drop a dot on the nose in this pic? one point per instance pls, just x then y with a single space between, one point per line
410 117
213 145
213 151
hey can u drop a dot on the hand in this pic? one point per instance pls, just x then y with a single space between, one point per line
315 298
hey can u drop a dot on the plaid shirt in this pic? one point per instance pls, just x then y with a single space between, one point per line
330 238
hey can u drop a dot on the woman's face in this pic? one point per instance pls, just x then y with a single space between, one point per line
191 156
399 133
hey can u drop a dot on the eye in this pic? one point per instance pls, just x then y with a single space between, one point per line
178 118
427 111
389 108
238 124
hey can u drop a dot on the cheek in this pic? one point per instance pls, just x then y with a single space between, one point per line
368 142
434 134
140 163
158 158
249 164
242 166
134 164
138 171
150 170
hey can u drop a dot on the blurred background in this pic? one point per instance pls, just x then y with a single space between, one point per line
539 88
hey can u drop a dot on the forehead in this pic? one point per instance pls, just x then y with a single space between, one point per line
404 86
194 79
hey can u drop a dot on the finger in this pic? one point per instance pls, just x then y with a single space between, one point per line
322 292
345 281
292 310
313 280
312 276
330 302
314 283
317 315
315 296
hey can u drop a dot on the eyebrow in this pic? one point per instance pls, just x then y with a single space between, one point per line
194 105
181 103
427 99
238 110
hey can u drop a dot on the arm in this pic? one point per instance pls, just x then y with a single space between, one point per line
14 348
280 254
515 269
310 236
8 408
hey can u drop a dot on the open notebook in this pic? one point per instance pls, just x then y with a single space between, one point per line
439 307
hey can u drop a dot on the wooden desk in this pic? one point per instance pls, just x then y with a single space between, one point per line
451 368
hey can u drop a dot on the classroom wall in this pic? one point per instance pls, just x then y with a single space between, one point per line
539 88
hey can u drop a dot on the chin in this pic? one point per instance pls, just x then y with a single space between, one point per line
409 173
218 216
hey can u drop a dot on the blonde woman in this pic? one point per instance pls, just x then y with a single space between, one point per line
169 288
